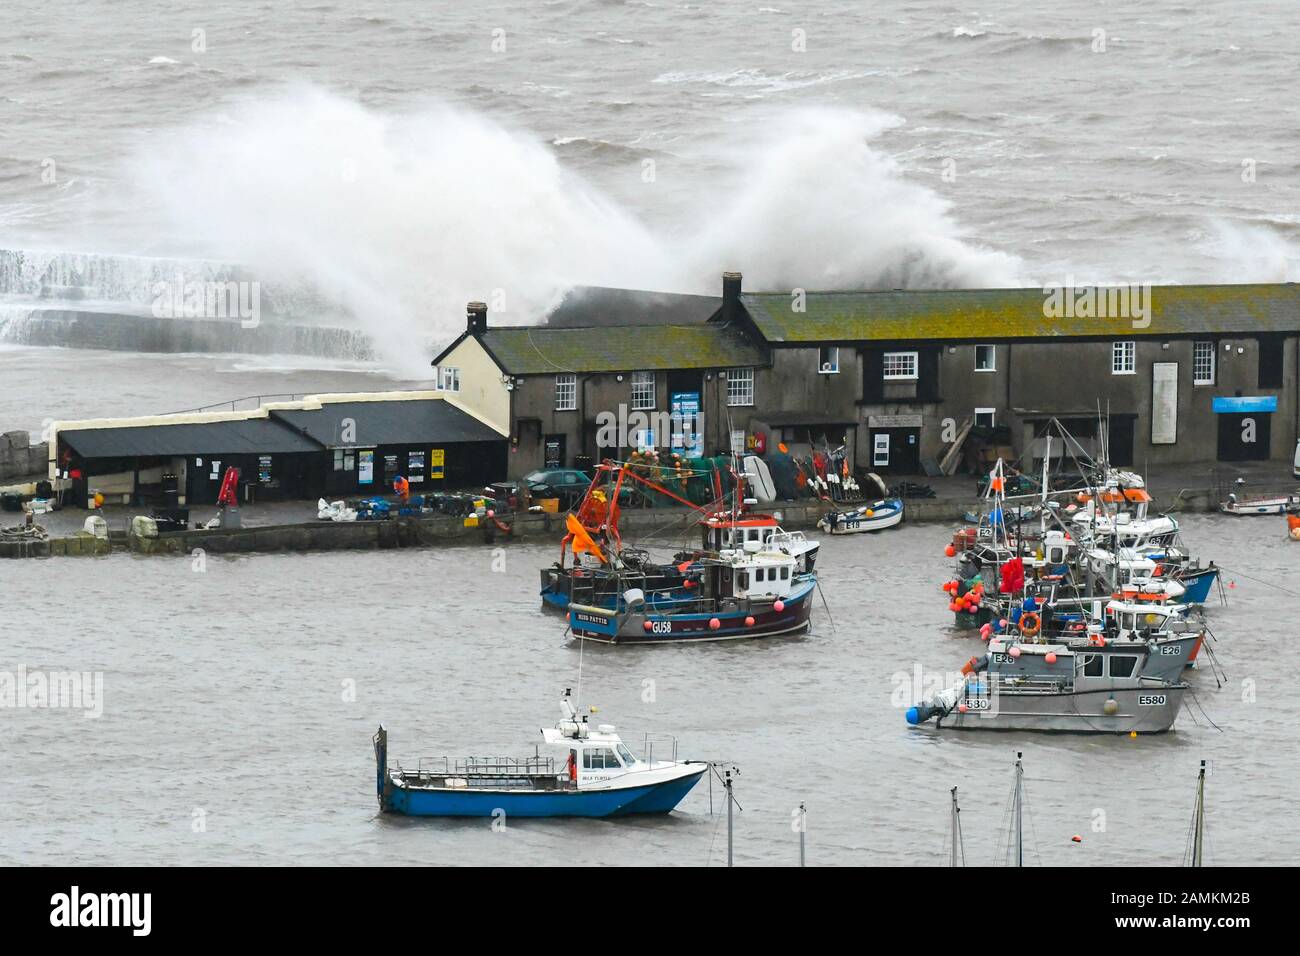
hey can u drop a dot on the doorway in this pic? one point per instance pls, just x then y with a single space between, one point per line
1245 436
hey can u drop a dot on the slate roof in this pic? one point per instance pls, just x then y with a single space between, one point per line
408 422
992 314
254 436
539 350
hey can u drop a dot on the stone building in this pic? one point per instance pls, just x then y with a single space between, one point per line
1179 374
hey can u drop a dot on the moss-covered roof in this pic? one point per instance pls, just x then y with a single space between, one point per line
979 314
534 350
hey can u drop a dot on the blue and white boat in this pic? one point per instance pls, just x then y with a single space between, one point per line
876 516
738 594
595 775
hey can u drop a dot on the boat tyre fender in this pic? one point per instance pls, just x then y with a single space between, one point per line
1030 624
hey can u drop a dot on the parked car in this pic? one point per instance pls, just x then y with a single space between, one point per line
567 484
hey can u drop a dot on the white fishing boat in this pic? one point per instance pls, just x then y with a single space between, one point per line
876 516
1275 505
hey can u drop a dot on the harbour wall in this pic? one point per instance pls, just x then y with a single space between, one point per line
19 458
663 527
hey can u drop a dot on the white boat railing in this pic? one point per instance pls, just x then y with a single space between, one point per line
667 742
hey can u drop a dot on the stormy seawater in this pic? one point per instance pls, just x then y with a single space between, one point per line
386 156
226 700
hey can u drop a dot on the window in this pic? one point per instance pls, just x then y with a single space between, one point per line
1092 665
740 387
900 365
984 417
599 758
448 378
1122 666
986 358
344 459
785 574
643 390
566 393
1270 360
1123 358
828 360
1202 363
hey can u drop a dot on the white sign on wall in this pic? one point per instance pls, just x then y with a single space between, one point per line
1164 403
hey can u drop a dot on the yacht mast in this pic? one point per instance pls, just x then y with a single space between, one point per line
956 832
1018 810
1198 825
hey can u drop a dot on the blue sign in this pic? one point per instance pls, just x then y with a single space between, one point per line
685 412
1261 403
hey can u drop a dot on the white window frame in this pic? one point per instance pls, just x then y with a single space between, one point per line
901 373
991 412
448 378
831 364
740 387
643 391
566 392
1210 352
1123 357
993 358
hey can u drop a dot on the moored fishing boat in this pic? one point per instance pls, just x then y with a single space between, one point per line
1094 693
876 516
739 594
1274 505
596 776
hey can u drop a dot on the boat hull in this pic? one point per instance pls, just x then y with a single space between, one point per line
885 514
649 626
1145 710
607 802
1198 585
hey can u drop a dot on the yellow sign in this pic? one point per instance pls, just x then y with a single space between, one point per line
437 459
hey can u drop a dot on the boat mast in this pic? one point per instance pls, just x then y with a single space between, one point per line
956 831
1198 825
1018 810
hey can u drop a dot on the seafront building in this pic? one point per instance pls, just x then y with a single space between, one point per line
1181 373
1178 374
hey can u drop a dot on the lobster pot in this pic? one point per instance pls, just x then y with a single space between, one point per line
973 622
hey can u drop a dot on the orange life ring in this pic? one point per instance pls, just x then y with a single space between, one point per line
1027 628
1096 640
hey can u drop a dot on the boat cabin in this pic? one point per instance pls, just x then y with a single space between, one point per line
760 574
727 532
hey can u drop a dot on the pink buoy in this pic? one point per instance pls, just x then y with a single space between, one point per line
714 624
962 708
1014 652
647 625
779 606
749 621
1002 623
1050 657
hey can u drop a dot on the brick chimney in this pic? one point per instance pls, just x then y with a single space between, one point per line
476 317
730 295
